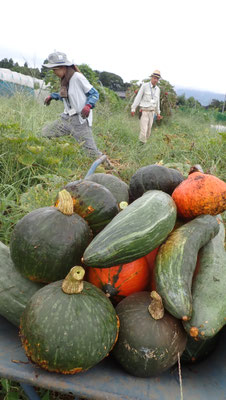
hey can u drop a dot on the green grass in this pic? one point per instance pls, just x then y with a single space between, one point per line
10 390
33 169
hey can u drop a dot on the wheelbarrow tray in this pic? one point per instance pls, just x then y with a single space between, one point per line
205 380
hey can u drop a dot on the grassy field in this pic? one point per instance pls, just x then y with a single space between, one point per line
33 169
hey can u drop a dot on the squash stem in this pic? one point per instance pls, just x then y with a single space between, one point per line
73 283
156 308
65 202
123 205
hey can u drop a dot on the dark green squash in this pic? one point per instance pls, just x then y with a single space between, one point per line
69 326
150 341
134 232
47 242
176 261
93 202
15 290
209 290
153 177
198 350
117 187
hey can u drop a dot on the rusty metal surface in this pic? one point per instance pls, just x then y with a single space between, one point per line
107 381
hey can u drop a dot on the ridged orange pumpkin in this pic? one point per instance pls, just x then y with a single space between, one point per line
200 194
121 280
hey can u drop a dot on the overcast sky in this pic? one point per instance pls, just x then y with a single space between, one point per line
185 40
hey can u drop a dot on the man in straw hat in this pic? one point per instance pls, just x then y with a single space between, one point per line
79 98
148 98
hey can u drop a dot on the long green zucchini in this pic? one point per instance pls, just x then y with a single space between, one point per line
209 290
134 232
176 262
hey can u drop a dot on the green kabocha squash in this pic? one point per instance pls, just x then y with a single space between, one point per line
198 350
153 177
93 202
69 326
134 232
150 340
176 261
15 290
209 290
47 242
117 187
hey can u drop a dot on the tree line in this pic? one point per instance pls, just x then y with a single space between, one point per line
113 82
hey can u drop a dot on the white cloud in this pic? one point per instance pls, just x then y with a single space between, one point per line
186 41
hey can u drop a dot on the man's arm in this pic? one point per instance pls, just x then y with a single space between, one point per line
137 99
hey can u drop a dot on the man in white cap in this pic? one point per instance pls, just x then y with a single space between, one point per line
79 98
148 98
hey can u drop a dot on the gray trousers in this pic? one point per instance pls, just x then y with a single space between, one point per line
67 125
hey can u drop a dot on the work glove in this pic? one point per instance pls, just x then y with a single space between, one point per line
47 100
86 110
132 113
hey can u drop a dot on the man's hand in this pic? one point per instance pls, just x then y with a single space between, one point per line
159 117
132 113
85 111
47 100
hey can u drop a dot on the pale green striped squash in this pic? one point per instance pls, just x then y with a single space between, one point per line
134 232
176 262
209 290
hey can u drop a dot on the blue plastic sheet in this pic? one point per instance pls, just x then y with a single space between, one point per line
107 380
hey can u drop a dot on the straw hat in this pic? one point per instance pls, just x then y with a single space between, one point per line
156 73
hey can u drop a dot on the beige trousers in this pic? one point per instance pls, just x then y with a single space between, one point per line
146 123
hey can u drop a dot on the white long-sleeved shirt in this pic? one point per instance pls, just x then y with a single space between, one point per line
78 87
148 96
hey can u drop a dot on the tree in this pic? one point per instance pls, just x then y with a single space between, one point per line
5 63
44 70
181 100
89 74
168 97
11 63
216 104
192 102
110 80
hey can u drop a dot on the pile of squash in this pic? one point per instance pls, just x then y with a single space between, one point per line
135 271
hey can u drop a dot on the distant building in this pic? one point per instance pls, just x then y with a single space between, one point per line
122 95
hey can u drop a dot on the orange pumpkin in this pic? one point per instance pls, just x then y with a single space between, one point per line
200 194
150 257
122 280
